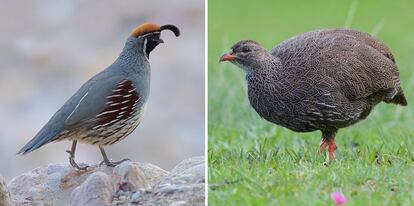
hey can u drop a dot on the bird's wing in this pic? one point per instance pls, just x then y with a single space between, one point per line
359 69
84 104
113 98
98 102
365 38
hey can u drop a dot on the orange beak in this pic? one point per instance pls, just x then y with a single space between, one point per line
227 57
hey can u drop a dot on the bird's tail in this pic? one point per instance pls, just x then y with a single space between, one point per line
399 98
39 140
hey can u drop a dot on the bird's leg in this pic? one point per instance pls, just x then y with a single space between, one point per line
331 148
107 161
328 141
72 157
323 146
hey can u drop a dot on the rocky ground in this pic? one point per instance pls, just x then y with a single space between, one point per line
130 183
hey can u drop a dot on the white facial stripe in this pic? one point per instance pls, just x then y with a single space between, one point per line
145 48
145 44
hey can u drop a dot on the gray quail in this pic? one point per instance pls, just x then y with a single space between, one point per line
321 80
110 105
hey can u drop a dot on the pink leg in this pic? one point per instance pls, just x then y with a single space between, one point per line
323 146
331 149
328 141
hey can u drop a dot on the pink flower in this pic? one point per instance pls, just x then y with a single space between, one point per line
339 198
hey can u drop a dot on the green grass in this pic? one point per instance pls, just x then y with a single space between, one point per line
253 162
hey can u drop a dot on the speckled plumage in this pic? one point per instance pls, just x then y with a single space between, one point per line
320 80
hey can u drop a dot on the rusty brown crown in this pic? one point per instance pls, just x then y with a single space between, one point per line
147 28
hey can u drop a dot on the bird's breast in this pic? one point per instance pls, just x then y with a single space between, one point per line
273 106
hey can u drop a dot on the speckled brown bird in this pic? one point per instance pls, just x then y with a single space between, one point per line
321 80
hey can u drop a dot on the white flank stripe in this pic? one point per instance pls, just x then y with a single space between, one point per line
128 95
96 127
109 122
123 81
107 112
115 95
126 101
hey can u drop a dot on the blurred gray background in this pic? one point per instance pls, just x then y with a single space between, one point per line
49 48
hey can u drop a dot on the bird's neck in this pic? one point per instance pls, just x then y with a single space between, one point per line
271 62
133 56
265 65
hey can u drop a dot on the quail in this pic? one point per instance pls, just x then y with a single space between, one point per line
110 105
321 80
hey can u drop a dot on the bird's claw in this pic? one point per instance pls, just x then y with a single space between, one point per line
113 164
73 163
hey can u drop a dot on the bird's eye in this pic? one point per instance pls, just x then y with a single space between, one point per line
246 49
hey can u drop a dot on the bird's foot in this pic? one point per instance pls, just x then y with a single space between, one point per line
331 149
330 144
73 163
113 164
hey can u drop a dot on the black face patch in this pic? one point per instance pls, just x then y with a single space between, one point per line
150 46
150 43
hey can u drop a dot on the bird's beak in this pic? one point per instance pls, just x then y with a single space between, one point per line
227 57
155 38
158 40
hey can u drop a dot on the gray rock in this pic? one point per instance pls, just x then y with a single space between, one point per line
129 177
4 194
152 173
168 188
126 184
96 190
179 203
187 163
189 171
136 196
185 185
48 185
